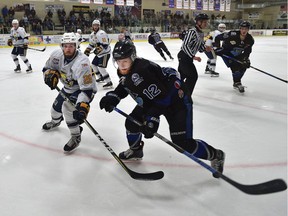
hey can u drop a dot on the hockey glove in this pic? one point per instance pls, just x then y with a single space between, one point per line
98 49
150 126
246 63
87 51
81 112
9 42
51 78
109 101
219 51
25 46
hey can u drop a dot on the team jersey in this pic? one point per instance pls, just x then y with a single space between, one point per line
100 41
154 39
210 38
79 38
193 42
149 84
233 45
76 74
19 36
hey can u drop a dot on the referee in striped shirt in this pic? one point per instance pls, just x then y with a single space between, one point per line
192 43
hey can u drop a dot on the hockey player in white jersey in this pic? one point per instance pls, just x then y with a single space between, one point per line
73 69
99 42
19 39
79 37
212 58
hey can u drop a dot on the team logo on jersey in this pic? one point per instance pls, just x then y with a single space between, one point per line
136 79
87 78
232 42
55 61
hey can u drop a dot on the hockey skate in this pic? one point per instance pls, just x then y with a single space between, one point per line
108 85
207 70
218 162
51 124
133 154
73 143
17 69
239 86
214 74
164 58
29 69
100 79
171 57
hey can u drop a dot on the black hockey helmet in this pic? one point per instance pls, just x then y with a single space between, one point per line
202 16
245 24
124 49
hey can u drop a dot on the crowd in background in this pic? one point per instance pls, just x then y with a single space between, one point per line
79 19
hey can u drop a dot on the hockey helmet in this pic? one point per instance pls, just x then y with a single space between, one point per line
96 22
245 24
15 21
221 27
124 49
69 38
79 31
202 16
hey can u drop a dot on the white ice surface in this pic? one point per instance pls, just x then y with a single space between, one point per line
37 179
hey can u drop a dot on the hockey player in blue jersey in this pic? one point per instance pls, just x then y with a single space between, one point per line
236 44
158 92
155 39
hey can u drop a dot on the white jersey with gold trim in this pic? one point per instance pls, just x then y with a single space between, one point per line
19 36
75 74
100 40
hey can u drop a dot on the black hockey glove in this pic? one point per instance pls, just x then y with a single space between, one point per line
246 63
219 51
109 101
9 42
150 126
87 51
51 78
81 112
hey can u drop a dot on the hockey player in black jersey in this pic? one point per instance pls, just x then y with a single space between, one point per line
238 45
155 39
157 92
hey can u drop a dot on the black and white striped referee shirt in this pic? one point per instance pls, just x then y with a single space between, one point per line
193 42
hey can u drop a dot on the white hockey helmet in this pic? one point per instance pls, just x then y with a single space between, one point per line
15 21
69 38
96 22
79 31
221 27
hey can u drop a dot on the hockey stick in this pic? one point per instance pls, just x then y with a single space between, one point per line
135 175
233 59
272 186
40 50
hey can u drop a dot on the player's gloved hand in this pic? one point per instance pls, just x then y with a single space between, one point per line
219 51
246 63
150 126
9 42
109 101
98 49
87 51
25 46
81 112
51 78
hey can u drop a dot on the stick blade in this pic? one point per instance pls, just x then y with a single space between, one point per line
272 186
147 176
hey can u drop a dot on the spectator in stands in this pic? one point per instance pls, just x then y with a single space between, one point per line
33 12
4 12
11 12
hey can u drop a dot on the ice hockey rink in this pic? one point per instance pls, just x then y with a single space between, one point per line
37 178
